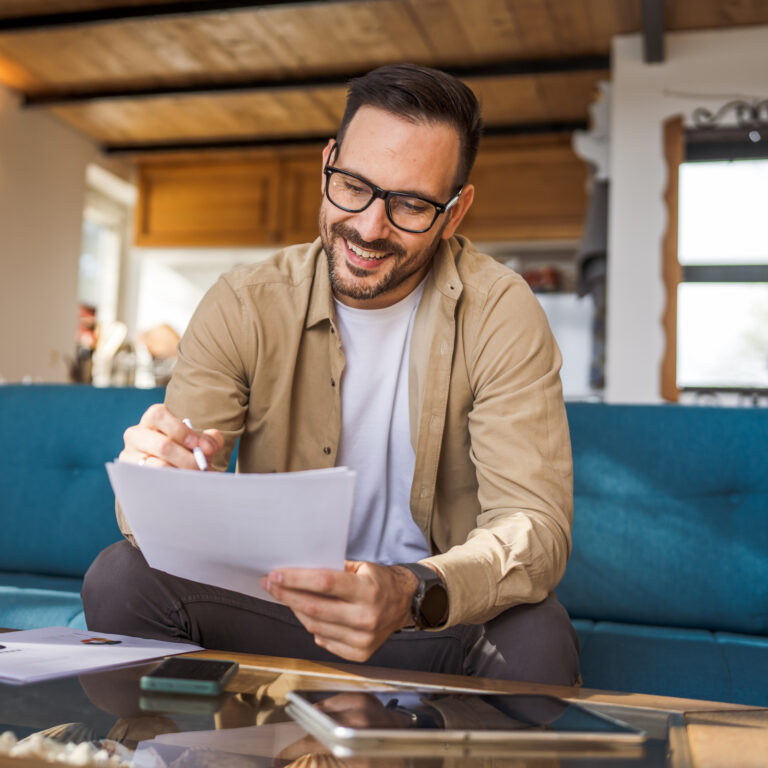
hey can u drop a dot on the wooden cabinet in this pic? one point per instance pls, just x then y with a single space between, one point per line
300 197
529 188
216 202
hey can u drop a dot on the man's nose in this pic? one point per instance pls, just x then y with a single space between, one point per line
372 223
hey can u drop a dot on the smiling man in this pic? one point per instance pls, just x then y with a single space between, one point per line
389 345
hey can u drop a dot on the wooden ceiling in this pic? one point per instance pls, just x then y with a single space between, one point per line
143 74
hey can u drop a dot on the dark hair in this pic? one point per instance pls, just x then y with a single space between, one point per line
420 93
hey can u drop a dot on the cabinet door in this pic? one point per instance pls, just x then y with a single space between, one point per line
527 189
301 194
221 202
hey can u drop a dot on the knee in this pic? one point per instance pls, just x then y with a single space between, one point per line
112 573
534 643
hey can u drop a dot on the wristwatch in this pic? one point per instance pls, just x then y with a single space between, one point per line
429 606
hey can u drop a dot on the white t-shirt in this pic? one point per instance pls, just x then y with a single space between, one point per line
375 431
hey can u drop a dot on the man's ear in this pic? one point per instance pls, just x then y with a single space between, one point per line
459 210
326 154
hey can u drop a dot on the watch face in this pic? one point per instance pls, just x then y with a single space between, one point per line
434 605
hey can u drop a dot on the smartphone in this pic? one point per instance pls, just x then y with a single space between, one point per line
188 675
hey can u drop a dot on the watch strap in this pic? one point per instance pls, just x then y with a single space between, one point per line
429 588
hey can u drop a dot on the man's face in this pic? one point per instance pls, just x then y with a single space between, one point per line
372 263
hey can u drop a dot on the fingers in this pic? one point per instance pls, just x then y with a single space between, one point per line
160 439
320 595
344 641
323 581
211 441
350 612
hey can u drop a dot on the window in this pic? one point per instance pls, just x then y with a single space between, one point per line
722 300
715 265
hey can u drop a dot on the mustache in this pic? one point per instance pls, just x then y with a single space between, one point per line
352 236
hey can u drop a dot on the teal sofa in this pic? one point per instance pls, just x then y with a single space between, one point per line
667 584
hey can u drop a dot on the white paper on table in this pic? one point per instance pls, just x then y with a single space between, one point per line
228 529
32 655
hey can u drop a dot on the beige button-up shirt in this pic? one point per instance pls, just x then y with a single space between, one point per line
262 361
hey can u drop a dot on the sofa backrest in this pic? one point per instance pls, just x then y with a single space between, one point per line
670 516
56 504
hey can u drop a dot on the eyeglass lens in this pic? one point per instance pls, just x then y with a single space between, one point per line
409 213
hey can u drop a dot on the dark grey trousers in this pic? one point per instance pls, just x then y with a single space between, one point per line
123 595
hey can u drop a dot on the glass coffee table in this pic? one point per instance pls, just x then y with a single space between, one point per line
105 719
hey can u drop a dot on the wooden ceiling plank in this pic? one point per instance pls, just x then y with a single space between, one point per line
515 102
444 33
537 38
306 115
332 113
333 100
260 28
243 39
568 97
357 29
393 31
115 12
171 47
108 53
17 77
304 36
711 14
489 26
607 18
574 28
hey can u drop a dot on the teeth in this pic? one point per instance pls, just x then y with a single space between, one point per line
363 254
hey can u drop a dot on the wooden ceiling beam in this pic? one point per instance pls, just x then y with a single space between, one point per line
513 68
514 129
117 12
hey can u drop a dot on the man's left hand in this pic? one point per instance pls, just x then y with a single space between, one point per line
351 612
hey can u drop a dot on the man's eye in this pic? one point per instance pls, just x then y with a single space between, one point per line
351 187
413 206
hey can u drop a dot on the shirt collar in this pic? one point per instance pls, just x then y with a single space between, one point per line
445 277
321 295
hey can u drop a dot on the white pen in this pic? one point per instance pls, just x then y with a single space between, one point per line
197 450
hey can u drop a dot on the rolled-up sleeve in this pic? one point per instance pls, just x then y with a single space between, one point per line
520 447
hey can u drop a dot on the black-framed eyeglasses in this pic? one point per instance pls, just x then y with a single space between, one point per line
353 193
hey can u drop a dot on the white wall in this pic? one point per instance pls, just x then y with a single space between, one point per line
165 285
42 185
701 69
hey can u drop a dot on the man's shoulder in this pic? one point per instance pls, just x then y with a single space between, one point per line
481 274
289 267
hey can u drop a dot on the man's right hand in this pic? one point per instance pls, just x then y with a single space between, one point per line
161 439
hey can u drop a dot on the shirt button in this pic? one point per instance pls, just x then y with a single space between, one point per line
326 449
333 382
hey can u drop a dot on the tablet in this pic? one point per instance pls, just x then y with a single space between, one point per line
416 722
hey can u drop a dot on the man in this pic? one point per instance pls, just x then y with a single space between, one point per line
393 347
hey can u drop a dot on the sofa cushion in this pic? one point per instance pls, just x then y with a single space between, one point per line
669 661
670 516
56 498
38 581
29 608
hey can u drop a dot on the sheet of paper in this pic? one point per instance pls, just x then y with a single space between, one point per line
32 655
230 530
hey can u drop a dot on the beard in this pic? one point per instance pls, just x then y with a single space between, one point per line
405 264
